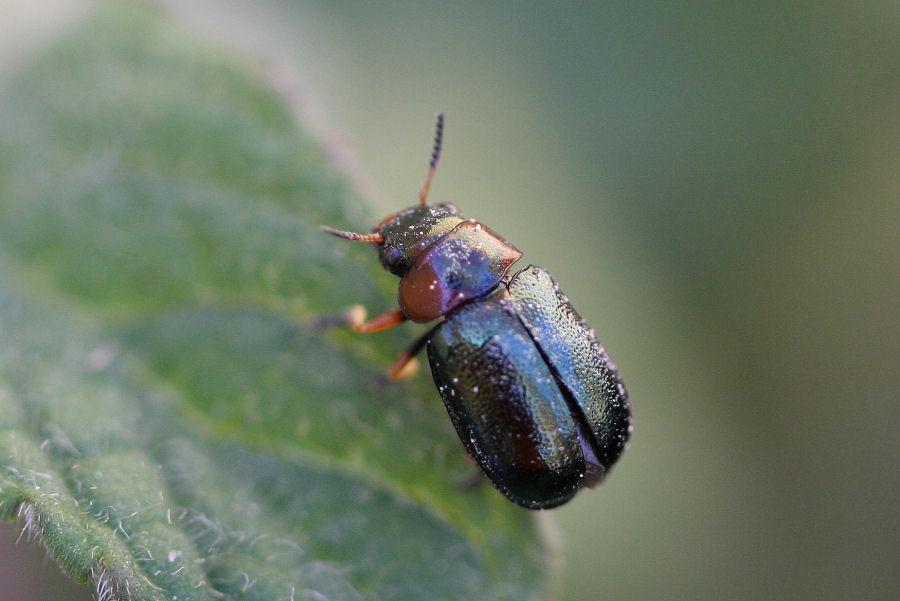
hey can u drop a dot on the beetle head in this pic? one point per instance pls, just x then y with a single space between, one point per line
403 236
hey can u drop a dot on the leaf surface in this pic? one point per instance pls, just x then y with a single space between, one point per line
178 420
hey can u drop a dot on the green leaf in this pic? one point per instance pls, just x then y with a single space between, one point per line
177 418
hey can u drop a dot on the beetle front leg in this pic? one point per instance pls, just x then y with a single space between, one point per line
406 364
356 318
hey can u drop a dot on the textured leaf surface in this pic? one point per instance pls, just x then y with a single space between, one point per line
176 422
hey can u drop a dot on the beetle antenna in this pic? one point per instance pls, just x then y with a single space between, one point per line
373 237
435 157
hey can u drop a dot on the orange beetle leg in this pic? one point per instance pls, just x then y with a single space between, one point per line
404 367
356 318
406 364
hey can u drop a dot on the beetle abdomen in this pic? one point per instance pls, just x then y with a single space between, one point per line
506 405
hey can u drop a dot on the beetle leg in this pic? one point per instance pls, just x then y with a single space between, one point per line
356 317
406 365
470 481
326 321
473 479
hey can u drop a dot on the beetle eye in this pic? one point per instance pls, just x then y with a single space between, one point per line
391 256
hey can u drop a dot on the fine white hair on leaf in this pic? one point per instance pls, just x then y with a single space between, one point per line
31 526
104 584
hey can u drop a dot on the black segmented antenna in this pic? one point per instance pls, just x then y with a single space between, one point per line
435 157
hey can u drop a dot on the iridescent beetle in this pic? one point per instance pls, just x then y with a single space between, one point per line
534 397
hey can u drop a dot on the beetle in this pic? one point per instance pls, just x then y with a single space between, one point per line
533 396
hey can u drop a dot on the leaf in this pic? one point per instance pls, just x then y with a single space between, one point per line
177 419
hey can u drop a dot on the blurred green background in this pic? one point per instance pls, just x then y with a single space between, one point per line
717 189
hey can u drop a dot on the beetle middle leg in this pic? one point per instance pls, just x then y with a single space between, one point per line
407 364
